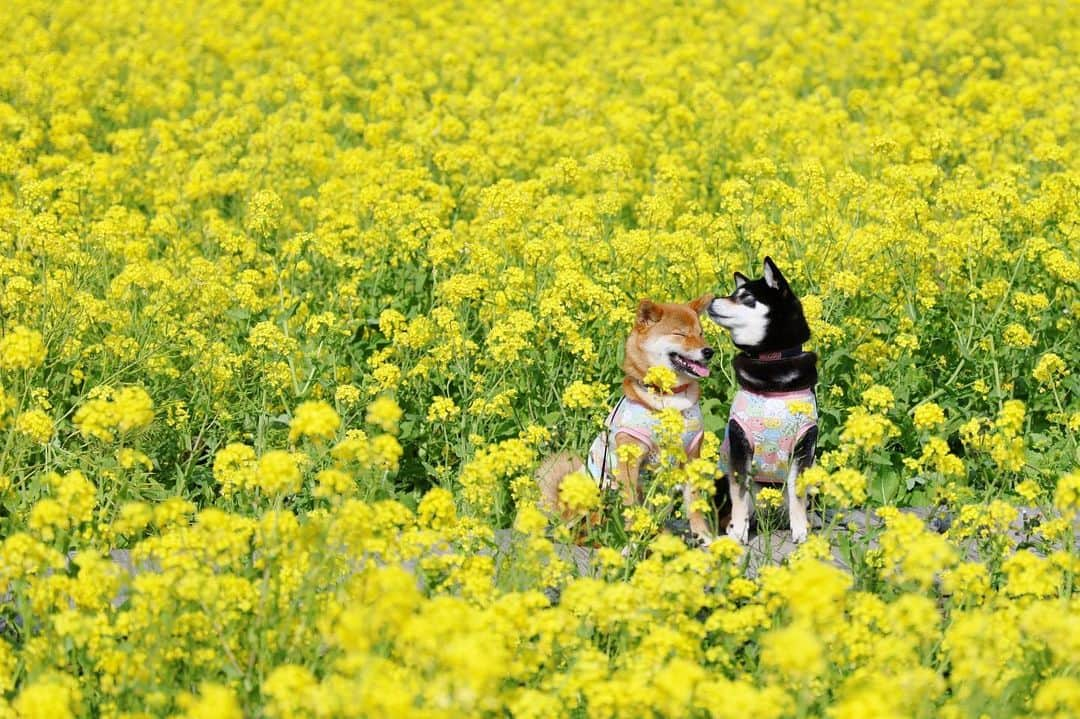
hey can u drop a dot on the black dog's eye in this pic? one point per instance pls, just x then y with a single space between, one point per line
743 298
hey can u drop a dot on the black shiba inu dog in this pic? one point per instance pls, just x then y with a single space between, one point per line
772 431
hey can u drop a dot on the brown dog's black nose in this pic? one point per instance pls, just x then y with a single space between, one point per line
707 353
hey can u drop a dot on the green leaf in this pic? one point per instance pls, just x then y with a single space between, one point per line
714 415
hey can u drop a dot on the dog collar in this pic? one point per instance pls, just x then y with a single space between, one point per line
774 356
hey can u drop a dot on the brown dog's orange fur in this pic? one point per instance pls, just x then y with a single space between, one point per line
652 320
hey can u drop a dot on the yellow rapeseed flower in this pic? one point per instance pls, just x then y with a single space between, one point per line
878 398
929 415
793 652
1050 369
277 472
1067 494
579 492
35 424
315 420
437 509
384 413
442 409
22 348
660 378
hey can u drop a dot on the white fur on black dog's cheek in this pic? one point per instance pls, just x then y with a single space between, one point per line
714 310
748 325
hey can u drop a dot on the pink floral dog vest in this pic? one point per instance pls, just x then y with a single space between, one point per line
773 424
638 421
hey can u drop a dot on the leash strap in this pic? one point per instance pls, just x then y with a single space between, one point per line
607 439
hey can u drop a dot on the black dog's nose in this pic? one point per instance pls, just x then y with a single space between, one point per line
707 353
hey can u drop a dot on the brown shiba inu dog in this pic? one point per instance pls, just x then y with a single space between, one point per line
665 335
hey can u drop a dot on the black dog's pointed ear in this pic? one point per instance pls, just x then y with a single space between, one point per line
773 277
740 280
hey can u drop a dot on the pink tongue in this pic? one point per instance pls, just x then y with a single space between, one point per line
700 369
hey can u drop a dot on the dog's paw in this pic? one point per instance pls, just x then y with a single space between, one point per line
798 534
703 539
700 533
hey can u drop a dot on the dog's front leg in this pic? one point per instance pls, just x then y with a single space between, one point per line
699 525
801 458
796 503
741 455
628 473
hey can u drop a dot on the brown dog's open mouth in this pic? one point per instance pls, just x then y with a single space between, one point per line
687 365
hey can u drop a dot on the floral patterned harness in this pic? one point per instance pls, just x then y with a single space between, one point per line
773 424
637 421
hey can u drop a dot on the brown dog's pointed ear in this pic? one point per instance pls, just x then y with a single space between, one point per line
648 312
701 303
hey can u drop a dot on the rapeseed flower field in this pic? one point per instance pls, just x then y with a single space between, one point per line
296 296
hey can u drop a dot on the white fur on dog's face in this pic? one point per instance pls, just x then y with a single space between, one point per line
658 351
747 325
